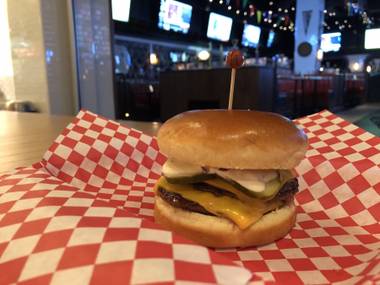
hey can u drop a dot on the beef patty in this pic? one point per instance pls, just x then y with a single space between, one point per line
287 191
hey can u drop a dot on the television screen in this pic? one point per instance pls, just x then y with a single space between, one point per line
331 42
270 39
120 10
372 39
251 36
174 16
219 27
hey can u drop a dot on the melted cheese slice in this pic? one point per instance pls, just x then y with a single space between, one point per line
243 214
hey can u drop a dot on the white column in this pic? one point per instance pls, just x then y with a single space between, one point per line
94 56
308 30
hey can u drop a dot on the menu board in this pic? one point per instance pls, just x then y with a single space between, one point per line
251 36
174 16
372 39
331 42
219 27
120 10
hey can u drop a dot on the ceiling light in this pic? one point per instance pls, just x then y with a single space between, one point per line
237 12
356 66
270 3
153 58
293 8
320 55
203 55
286 10
229 7
279 9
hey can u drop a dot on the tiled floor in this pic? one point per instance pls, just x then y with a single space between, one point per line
359 112
366 116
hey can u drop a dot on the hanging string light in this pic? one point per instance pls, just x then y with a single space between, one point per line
276 16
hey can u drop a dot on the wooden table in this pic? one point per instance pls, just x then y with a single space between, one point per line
24 137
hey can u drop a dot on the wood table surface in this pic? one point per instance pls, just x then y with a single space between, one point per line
24 137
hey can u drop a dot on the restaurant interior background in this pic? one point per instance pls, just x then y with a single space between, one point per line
148 60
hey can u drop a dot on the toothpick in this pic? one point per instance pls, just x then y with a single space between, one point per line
232 88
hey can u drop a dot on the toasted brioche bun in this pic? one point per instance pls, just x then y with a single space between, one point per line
218 232
235 139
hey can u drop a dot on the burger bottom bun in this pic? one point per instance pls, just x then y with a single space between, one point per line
218 232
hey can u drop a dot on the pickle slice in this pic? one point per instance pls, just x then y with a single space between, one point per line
191 179
271 188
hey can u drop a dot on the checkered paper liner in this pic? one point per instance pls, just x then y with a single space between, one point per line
336 238
53 233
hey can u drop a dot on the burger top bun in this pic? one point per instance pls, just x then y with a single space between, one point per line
234 139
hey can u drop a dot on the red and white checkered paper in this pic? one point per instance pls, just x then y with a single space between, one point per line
84 214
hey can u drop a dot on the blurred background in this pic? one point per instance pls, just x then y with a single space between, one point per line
147 60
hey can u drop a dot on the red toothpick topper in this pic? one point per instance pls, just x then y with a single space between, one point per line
235 59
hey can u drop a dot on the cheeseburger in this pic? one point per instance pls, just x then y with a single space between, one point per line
228 180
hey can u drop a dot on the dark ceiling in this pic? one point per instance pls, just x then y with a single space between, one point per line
350 17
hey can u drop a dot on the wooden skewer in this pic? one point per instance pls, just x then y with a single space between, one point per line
232 88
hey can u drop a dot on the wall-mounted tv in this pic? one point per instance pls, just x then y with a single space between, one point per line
271 37
372 39
174 16
331 42
251 36
120 10
219 27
